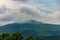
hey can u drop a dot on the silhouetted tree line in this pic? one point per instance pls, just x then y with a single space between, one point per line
14 36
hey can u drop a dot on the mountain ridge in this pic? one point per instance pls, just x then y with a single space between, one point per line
32 27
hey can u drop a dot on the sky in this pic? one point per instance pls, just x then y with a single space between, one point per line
20 11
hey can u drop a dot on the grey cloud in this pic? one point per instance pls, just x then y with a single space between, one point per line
8 18
21 0
26 10
3 9
29 11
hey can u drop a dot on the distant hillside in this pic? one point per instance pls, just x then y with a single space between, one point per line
49 38
32 28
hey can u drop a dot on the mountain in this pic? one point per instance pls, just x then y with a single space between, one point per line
32 28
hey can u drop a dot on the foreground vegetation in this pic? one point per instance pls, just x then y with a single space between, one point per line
14 36
19 36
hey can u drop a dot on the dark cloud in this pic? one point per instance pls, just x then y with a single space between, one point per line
28 11
21 0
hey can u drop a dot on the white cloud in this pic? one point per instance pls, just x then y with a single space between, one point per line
15 14
53 18
21 12
31 13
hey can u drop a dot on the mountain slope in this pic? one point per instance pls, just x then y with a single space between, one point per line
32 28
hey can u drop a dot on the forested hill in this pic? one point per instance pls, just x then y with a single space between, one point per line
32 28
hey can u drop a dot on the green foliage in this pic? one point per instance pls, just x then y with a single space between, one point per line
14 36
30 38
17 36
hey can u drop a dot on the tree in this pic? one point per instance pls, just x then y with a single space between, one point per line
0 37
3 36
30 38
17 36
8 36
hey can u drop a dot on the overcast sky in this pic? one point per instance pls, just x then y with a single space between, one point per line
46 11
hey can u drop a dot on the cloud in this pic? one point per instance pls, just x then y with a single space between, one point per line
53 18
3 9
12 12
26 12
17 14
20 0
